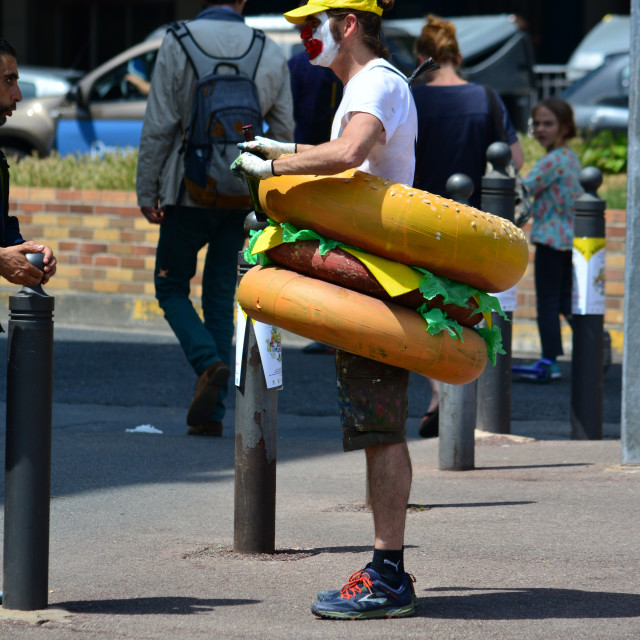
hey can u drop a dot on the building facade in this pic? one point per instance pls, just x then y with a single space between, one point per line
84 33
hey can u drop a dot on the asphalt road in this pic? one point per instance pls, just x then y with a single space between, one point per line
132 369
137 369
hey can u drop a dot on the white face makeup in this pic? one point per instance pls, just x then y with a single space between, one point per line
322 39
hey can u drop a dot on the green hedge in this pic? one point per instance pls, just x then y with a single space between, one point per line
115 171
118 170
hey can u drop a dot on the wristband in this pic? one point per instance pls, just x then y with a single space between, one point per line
273 171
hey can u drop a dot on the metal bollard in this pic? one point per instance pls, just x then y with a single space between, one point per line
587 361
494 385
456 446
28 448
254 523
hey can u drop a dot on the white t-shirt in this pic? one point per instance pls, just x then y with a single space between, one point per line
385 95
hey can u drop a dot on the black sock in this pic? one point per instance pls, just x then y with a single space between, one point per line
389 565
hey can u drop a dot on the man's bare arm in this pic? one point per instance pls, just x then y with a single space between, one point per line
348 151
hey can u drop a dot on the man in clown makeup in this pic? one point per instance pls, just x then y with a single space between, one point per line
374 130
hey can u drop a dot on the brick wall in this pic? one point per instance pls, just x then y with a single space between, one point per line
106 253
102 242
105 250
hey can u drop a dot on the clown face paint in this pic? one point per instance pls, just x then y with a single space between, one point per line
319 42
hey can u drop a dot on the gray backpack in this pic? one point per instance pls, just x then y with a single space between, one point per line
225 99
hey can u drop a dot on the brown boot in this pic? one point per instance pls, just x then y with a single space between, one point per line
209 428
206 394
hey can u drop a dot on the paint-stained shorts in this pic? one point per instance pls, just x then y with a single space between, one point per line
373 401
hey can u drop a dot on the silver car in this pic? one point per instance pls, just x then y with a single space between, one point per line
611 35
600 99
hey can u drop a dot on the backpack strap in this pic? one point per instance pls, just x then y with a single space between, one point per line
428 65
204 63
496 114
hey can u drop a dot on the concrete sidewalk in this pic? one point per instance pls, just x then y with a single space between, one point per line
541 540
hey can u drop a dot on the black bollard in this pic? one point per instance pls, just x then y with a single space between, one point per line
457 421
28 448
254 525
494 384
587 360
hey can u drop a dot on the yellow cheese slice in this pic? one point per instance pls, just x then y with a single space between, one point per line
396 278
271 237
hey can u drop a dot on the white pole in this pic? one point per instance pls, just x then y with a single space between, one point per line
630 434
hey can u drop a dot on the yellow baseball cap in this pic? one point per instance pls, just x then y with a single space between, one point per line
299 15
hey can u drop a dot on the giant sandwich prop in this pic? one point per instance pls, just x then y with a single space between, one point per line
382 270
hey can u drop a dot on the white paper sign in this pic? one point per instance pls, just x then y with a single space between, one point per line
508 299
588 276
241 328
269 339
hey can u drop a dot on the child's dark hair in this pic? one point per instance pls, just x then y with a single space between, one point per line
562 111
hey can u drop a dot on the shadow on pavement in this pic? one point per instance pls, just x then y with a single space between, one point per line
526 604
536 466
146 379
463 505
149 606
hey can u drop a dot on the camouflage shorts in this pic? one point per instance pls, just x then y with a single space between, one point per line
373 401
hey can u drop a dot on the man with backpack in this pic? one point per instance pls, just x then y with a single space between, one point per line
212 76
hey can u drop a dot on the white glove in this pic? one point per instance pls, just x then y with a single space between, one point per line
266 148
249 166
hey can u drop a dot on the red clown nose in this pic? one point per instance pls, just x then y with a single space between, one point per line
312 46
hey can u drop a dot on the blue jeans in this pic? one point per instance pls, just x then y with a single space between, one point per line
183 233
553 278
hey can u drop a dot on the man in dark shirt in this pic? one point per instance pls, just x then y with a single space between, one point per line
14 265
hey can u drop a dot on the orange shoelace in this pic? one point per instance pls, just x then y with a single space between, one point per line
353 587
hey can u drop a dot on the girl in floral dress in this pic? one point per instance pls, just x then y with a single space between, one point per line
554 184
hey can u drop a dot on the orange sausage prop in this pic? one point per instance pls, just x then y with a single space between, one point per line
407 225
360 324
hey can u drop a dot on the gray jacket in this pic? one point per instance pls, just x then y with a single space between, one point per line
160 166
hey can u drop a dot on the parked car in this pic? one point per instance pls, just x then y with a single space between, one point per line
104 110
600 99
611 35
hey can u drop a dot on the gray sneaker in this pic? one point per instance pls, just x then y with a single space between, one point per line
366 596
